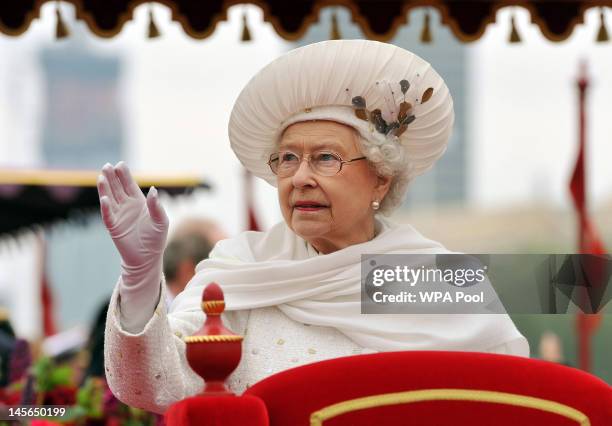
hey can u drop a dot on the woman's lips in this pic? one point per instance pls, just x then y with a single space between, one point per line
309 206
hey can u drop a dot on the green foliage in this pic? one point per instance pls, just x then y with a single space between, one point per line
90 398
47 375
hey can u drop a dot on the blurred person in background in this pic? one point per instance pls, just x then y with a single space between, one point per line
7 344
551 348
190 243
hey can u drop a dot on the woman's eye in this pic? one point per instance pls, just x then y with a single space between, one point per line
288 157
326 157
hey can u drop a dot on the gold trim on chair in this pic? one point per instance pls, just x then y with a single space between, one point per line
318 417
220 338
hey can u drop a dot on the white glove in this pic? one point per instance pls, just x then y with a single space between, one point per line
138 227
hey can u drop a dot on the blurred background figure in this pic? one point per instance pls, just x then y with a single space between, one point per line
7 343
190 243
95 344
551 348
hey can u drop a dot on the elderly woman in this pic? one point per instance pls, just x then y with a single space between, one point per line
340 128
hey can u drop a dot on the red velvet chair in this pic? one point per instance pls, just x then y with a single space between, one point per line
434 388
391 388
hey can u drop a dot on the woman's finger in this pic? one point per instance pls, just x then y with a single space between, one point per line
125 177
107 214
114 184
157 212
105 191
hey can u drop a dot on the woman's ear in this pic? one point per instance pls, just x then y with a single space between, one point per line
382 186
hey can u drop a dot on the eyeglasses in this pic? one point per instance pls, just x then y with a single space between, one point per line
323 163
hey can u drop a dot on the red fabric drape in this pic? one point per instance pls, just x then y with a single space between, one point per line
47 307
588 239
46 295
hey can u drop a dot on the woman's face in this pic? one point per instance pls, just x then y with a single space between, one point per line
330 212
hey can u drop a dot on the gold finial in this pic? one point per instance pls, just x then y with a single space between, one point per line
153 30
334 33
602 34
246 33
426 31
61 29
514 35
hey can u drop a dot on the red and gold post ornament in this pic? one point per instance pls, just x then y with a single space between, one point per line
214 351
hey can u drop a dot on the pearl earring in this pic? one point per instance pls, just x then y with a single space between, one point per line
375 205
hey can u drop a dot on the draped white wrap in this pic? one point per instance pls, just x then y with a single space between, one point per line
278 268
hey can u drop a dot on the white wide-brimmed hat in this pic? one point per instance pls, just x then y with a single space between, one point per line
388 94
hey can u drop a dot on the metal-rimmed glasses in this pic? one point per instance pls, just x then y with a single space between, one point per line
323 163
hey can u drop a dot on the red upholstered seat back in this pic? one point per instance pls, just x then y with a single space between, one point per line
435 388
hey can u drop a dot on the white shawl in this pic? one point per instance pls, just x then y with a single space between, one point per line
278 268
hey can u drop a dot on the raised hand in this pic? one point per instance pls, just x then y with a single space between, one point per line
137 225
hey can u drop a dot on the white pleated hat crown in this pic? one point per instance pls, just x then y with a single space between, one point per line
332 80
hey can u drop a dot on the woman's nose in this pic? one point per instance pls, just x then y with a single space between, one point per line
304 176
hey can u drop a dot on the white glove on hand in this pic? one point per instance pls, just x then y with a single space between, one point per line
138 227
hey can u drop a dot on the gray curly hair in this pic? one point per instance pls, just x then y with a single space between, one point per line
388 159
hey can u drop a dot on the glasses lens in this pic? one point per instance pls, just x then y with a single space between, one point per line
288 162
326 163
